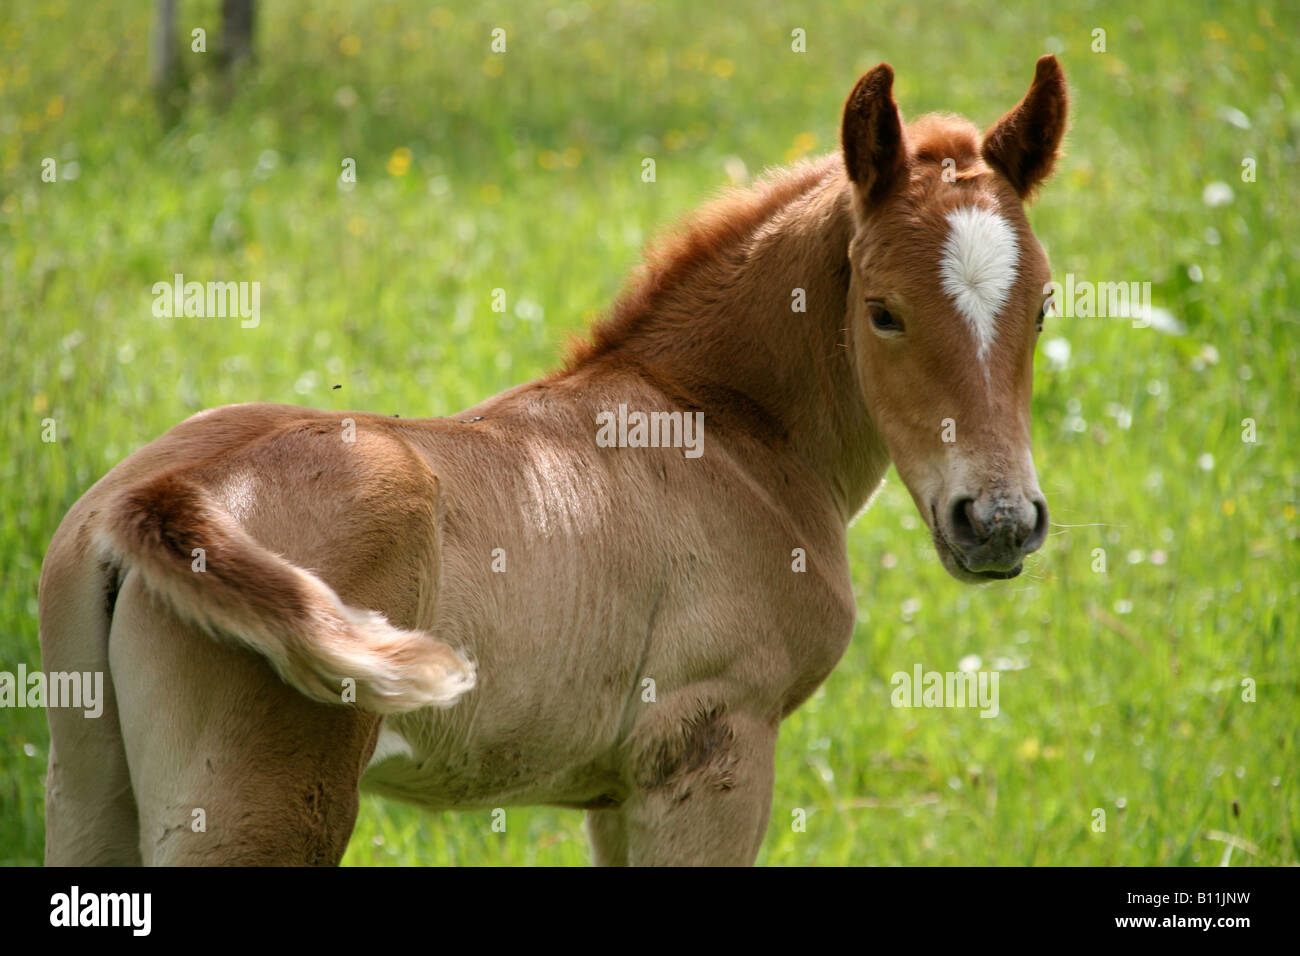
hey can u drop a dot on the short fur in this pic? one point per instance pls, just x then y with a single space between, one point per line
655 616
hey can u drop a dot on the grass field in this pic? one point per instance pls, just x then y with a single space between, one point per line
1121 690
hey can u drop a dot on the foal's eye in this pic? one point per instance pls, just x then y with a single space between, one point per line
882 320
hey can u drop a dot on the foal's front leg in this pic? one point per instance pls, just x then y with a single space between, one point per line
703 786
607 833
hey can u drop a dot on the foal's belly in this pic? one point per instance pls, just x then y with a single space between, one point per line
410 781
422 758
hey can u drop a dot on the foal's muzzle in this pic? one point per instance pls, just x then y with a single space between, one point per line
990 535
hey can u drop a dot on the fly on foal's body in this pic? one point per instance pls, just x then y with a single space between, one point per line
495 609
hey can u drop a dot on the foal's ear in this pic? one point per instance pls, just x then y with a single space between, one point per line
1024 144
872 135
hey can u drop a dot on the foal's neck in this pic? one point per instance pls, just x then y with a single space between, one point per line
799 364
724 336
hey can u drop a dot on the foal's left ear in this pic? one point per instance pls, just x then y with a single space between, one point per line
1024 144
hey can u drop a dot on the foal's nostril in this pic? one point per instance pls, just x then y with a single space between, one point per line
965 529
1039 534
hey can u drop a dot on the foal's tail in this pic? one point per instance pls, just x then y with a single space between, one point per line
236 588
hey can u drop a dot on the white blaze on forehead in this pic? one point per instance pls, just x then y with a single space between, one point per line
978 268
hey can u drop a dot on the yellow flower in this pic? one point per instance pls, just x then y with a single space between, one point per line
350 44
491 194
572 157
399 164
548 159
724 67
55 108
1229 507
493 65
356 226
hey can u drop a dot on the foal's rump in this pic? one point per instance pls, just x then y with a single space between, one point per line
194 554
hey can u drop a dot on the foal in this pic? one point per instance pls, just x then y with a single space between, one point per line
498 609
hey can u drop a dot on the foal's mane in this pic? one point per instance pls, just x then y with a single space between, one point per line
716 235
711 237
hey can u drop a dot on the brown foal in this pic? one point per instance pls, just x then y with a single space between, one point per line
603 589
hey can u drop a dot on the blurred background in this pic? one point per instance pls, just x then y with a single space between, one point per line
1169 579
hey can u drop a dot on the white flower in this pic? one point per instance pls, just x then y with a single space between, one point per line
1216 194
1057 353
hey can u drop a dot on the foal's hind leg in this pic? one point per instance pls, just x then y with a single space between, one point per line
90 813
703 787
229 764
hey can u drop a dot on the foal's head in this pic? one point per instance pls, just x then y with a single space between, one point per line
945 307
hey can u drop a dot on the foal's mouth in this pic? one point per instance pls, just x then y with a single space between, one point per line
956 564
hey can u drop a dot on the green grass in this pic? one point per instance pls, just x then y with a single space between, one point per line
1120 690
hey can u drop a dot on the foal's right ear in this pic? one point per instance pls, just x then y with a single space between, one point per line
872 135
